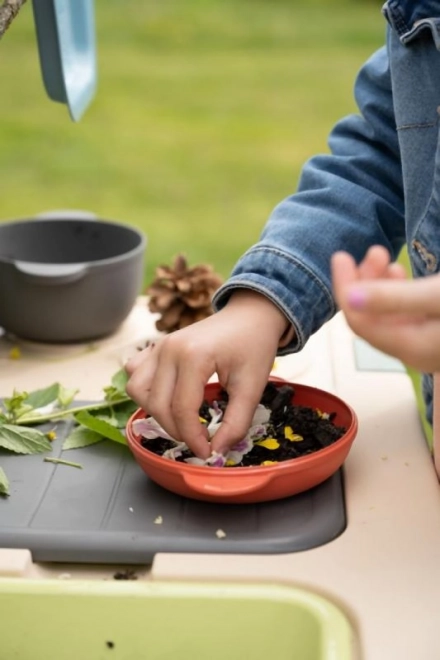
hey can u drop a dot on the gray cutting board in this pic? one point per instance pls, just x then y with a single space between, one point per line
106 512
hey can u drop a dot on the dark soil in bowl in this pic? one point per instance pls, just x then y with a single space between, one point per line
298 430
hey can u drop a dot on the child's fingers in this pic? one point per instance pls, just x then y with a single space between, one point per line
396 272
243 400
410 297
344 274
375 263
137 359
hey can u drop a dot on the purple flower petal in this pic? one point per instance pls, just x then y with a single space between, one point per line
150 429
243 446
258 431
216 460
216 413
216 407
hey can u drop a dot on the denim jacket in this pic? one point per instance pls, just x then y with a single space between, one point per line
380 184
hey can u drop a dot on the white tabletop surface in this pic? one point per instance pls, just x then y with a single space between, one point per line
383 571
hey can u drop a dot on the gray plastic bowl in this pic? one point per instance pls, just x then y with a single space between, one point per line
68 277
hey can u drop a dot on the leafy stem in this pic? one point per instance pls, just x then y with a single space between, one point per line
61 461
23 410
28 420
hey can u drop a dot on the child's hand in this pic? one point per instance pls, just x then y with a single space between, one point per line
239 343
398 316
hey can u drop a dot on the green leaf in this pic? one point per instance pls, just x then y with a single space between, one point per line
23 440
15 407
123 412
14 403
111 393
66 396
109 419
120 380
21 411
117 388
100 426
81 437
35 418
4 483
42 398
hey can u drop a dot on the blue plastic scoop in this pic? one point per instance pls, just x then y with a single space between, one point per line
67 49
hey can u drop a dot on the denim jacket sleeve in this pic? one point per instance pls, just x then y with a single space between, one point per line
348 199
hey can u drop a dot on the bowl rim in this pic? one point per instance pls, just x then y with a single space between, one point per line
138 249
293 464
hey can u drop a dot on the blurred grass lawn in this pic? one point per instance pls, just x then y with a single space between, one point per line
205 111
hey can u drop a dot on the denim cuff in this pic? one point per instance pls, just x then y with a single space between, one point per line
289 284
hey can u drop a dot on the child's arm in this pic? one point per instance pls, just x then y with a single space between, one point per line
349 199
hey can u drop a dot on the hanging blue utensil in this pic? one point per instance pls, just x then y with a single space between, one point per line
67 49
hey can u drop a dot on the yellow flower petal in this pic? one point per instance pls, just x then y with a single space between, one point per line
268 443
230 463
202 420
15 353
290 435
269 463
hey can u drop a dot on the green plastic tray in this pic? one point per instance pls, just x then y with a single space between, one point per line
68 620
415 376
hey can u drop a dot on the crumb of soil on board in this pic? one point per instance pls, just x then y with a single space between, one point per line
64 576
128 574
158 520
220 534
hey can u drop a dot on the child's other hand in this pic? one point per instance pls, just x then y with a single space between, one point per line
398 316
239 343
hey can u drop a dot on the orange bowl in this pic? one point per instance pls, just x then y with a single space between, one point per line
241 485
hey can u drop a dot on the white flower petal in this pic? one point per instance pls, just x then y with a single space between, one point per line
193 460
175 452
234 456
261 415
213 427
45 410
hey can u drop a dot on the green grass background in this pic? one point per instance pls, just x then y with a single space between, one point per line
205 112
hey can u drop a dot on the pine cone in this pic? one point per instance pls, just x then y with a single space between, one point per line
182 295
